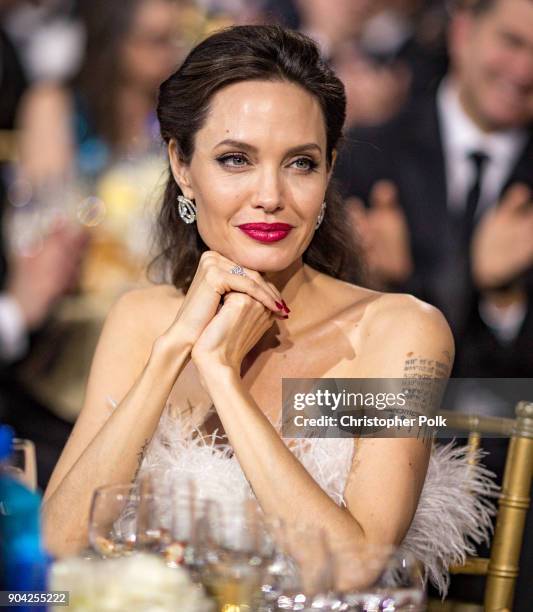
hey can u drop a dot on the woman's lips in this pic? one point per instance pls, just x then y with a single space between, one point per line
266 232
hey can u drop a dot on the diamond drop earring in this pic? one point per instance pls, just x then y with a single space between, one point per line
321 214
186 209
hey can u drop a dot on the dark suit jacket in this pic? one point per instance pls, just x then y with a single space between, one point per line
408 150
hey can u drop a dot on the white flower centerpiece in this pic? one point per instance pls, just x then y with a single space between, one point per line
140 582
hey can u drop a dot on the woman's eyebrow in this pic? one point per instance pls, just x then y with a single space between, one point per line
239 144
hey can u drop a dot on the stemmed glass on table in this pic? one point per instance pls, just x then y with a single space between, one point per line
23 463
239 552
375 578
152 515
246 561
113 519
226 548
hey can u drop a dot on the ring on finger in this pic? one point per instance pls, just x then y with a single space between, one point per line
238 270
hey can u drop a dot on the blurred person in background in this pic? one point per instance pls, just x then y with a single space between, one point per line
107 110
334 29
30 285
453 218
100 132
48 38
448 210
384 51
283 12
98 161
232 11
411 33
374 91
12 75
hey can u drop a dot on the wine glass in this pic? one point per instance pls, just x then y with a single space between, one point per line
238 552
401 583
300 576
172 519
190 530
23 462
153 512
113 519
377 577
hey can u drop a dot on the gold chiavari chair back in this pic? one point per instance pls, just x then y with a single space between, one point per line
502 567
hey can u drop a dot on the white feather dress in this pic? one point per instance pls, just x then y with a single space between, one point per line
453 513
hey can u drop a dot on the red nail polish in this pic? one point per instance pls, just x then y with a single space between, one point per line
280 306
285 307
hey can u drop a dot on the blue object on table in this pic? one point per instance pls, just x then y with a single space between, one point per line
23 560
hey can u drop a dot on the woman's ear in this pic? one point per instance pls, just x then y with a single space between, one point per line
180 170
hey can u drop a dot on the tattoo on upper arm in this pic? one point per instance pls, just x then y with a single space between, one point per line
418 367
425 380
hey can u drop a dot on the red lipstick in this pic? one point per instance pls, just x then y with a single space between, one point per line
266 232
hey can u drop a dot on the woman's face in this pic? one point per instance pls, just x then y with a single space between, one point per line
154 46
260 158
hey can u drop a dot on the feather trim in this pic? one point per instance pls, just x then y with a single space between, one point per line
453 513
179 452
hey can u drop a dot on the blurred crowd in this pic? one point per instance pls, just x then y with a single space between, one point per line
436 171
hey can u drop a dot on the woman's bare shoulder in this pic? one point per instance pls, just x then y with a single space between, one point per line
151 310
343 295
138 318
404 311
380 311
161 296
399 329
134 322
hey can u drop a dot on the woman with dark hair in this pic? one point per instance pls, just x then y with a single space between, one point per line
107 110
254 242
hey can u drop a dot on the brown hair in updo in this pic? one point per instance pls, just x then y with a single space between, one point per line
243 53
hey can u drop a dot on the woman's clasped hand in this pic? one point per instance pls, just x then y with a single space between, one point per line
224 313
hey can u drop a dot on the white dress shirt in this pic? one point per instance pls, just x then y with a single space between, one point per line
461 137
13 332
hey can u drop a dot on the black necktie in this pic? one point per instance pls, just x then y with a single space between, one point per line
478 159
455 284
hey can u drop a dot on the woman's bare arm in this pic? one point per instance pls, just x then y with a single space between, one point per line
106 444
387 474
145 344
401 337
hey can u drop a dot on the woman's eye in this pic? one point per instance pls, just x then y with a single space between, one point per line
238 160
233 161
304 163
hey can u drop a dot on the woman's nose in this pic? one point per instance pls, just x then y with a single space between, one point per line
269 190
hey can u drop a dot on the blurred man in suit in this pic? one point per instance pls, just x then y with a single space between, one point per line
447 184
